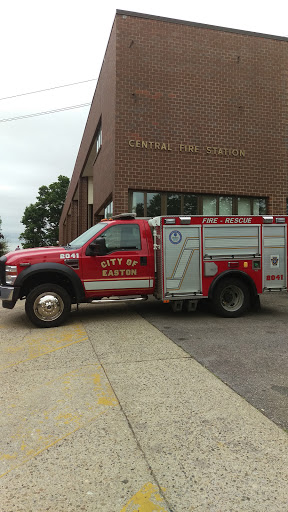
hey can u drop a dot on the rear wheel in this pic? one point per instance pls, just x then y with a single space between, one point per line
48 305
231 298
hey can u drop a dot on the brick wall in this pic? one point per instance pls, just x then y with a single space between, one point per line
105 99
103 106
181 84
179 89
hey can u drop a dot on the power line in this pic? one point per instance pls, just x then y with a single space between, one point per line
44 113
49 89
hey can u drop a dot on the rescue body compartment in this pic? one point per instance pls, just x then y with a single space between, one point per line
194 253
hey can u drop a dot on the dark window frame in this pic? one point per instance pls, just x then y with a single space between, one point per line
98 138
200 198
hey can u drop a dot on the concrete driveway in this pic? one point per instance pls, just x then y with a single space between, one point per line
107 414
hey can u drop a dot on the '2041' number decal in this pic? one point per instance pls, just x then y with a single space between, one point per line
273 278
67 255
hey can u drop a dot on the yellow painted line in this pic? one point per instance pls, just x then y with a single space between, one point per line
53 411
148 499
39 343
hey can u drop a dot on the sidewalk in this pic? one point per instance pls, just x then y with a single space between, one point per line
106 414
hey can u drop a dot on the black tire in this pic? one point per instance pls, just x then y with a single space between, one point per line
48 305
231 298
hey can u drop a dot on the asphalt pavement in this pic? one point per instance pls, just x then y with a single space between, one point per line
106 413
249 354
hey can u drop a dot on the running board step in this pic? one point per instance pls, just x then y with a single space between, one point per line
118 299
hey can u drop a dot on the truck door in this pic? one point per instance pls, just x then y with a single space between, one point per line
181 260
274 257
123 269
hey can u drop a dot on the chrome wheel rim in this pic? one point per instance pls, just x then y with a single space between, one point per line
232 298
48 306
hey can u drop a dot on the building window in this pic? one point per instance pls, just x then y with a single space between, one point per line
138 203
251 206
90 216
146 204
209 205
259 206
244 206
108 211
152 204
225 205
190 204
98 138
173 204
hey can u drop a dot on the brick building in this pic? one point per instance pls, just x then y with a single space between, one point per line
186 118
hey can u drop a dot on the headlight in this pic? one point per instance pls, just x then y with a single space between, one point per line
11 274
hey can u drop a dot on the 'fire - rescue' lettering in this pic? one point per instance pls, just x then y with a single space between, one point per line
209 220
228 220
238 220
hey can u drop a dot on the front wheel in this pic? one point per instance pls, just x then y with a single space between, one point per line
48 305
231 298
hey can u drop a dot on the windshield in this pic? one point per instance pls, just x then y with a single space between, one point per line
82 239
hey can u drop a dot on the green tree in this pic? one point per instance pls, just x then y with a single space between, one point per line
41 219
3 242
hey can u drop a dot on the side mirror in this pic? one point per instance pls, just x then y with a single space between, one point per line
97 247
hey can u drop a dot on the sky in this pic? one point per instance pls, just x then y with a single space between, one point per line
48 44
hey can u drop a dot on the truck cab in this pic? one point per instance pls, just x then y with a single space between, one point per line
112 258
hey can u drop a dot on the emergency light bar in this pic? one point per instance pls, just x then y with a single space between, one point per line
124 216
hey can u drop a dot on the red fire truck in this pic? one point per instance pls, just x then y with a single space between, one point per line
178 259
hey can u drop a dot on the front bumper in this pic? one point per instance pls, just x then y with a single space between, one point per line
9 296
6 293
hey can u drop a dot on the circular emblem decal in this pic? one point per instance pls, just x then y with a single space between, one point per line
175 237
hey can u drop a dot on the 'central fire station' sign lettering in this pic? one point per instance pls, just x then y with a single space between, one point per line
186 148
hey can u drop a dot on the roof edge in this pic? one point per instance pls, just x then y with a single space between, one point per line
199 25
